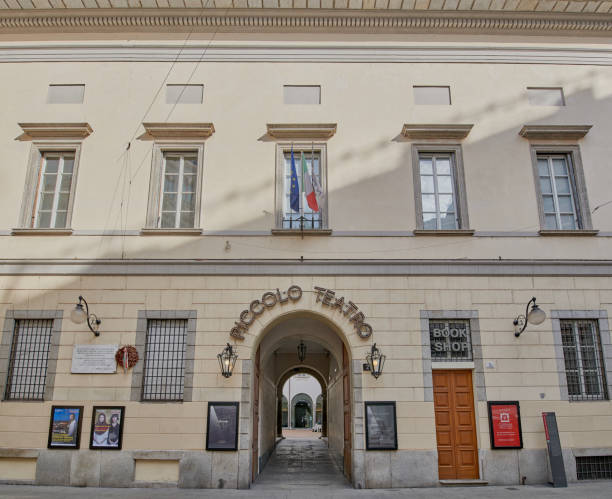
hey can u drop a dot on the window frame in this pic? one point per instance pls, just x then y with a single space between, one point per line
153 219
38 150
10 320
599 316
455 152
281 149
577 181
137 388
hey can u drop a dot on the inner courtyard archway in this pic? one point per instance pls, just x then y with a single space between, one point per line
327 360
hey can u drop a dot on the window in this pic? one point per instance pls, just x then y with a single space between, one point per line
302 94
311 187
439 186
178 196
432 95
175 188
54 190
541 96
184 94
65 94
164 363
450 340
584 367
28 354
561 190
558 192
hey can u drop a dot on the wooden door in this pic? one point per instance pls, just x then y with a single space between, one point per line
255 444
455 425
346 395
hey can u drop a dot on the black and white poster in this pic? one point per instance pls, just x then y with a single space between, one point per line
222 426
381 427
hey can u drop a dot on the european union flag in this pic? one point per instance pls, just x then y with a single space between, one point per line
294 196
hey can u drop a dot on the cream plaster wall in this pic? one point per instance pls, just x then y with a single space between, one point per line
369 101
524 367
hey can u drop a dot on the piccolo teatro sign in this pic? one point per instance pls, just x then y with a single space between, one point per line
325 296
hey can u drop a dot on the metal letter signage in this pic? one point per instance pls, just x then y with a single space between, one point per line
349 309
257 307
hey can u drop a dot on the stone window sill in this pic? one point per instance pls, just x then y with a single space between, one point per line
41 232
298 232
455 232
569 233
170 232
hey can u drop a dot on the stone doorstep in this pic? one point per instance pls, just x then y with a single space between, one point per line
463 483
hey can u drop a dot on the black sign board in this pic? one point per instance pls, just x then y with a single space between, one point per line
381 427
222 426
555 455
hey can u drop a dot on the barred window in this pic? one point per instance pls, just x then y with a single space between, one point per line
594 468
27 372
164 365
583 360
450 340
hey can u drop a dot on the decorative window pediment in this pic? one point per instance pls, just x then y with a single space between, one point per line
554 132
46 131
439 131
177 131
301 131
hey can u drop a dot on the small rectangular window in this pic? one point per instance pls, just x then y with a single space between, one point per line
450 340
27 372
302 94
65 94
179 190
438 191
307 166
52 201
184 94
432 96
164 363
539 96
583 360
558 192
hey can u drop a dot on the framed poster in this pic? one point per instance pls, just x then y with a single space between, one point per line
65 427
381 426
222 426
505 425
106 428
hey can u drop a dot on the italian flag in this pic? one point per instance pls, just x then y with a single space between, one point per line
312 187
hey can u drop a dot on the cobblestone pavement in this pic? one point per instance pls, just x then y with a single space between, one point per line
301 433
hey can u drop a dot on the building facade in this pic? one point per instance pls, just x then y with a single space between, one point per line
457 160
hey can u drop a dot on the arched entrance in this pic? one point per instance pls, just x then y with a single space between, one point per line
275 359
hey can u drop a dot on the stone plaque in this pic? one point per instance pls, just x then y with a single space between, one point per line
94 359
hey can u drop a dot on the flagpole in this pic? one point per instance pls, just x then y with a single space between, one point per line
302 195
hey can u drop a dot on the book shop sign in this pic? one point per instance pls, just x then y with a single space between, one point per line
325 296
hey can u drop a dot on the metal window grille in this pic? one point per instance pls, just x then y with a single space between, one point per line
27 372
308 219
583 360
450 341
164 366
594 468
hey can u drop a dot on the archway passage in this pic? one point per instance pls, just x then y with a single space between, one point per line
291 448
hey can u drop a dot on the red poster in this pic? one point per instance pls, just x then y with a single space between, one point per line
505 425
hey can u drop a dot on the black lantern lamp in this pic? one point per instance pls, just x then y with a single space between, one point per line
534 316
227 361
301 351
375 361
80 315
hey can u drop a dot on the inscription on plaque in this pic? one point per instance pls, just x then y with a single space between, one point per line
94 359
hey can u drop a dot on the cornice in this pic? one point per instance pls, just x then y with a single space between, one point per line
554 132
171 131
427 131
38 131
301 131
302 20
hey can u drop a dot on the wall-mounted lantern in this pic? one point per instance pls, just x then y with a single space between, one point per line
227 361
80 315
375 362
534 316
301 351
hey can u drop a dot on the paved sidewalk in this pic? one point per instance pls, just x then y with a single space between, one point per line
586 490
